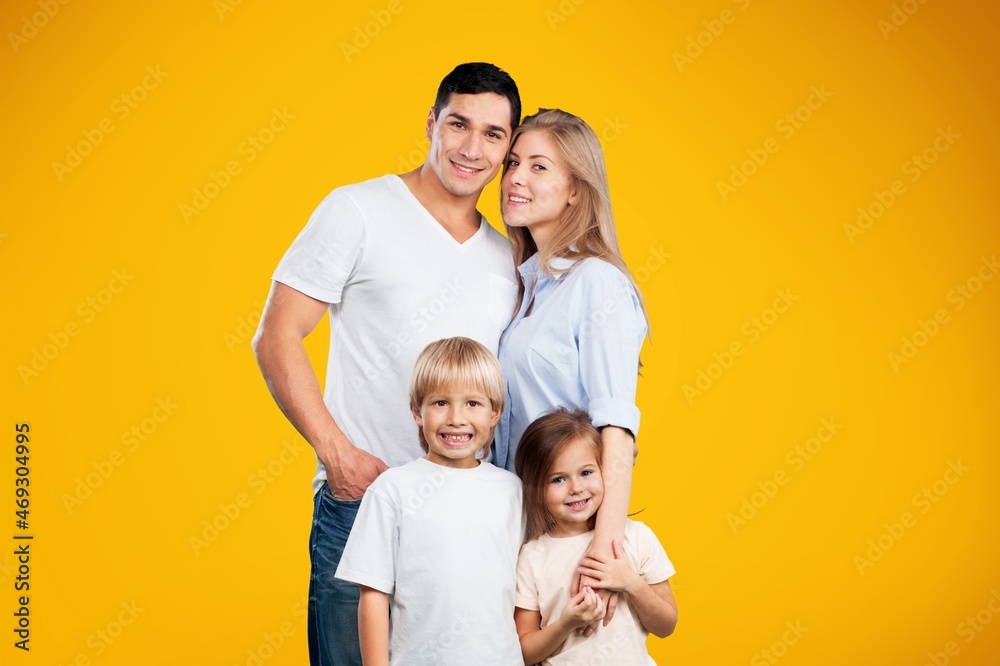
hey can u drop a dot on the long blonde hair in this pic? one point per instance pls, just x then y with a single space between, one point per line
587 229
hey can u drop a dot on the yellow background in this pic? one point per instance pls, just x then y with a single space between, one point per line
174 325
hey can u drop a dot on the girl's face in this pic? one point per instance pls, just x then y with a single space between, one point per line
574 489
537 187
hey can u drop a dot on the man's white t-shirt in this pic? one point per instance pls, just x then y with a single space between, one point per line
396 281
545 569
443 542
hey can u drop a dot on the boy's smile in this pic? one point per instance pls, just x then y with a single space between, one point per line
457 422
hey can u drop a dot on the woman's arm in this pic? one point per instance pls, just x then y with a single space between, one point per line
616 469
373 627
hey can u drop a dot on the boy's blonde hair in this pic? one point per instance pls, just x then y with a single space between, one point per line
456 361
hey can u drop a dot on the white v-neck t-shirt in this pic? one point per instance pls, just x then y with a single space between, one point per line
396 281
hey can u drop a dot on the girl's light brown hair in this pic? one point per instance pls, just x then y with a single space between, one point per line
540 445
456 362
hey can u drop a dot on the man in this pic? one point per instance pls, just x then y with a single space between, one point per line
398 261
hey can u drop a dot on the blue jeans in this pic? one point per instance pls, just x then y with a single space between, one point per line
333 603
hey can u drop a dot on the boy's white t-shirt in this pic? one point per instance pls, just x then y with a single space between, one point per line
443 543
545 569
396 281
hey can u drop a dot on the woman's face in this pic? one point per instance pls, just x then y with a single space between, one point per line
537 187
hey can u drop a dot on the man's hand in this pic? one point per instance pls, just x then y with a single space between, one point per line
288 318
350 470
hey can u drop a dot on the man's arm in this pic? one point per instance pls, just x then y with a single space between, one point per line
289 316
373 627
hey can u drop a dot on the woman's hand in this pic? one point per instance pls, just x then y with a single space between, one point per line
610 573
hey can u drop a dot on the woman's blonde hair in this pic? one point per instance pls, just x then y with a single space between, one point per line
456 362
587 228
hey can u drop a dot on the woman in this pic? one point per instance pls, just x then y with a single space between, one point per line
580 321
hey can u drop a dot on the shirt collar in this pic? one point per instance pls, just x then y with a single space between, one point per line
559 264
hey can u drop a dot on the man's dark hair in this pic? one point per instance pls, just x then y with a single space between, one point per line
473 78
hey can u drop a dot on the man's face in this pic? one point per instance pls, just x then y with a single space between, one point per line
469 141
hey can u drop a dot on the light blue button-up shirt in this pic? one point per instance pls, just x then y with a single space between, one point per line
579 347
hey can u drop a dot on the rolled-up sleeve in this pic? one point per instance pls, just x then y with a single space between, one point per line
609 336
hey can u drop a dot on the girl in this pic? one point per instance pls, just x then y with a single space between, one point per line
558 461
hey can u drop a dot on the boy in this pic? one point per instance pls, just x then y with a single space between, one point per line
436 543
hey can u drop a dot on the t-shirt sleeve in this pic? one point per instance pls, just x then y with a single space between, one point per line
526 594
326 252
370 554
654 565
610 334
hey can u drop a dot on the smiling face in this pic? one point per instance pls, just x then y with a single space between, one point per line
574 489
469 140
537 187
457 421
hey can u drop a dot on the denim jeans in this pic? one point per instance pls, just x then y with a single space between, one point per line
333 603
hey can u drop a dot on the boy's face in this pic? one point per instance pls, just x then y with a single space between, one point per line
469 141
457 422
